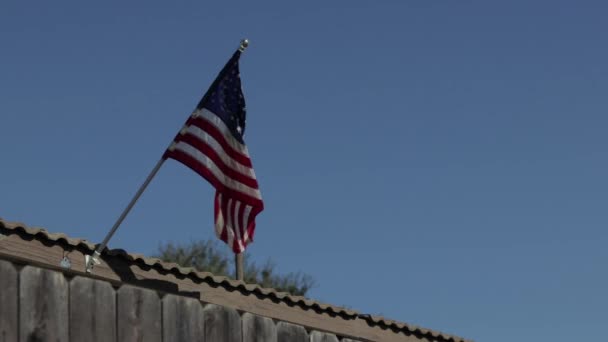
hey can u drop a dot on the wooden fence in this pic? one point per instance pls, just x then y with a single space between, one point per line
43 305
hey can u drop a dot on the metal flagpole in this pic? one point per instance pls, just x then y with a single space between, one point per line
238 257
92 260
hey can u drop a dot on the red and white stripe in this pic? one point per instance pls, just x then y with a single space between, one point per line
206 145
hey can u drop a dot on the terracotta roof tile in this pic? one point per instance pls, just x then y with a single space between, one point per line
231 284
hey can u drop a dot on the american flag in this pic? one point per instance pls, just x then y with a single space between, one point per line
211 143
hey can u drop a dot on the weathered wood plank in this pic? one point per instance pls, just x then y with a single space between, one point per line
349 340
222 324
92 310
9 309
182 319
43 302
317 336
258 329
139 315
288 332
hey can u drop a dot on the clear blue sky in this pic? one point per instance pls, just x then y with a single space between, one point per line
439 163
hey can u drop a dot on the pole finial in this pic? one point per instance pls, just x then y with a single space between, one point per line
244 45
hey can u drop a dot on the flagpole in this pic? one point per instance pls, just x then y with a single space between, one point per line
238 257
92 260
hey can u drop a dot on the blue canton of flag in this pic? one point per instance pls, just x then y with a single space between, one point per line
226 100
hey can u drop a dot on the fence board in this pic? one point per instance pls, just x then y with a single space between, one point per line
182 319
8 302
258 329
287 332
139 315
222 324
317 336
92 310
43 301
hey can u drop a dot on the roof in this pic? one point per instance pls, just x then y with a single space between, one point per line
163 269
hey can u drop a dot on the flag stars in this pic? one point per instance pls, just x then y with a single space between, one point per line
226 100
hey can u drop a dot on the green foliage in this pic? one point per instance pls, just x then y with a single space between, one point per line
206 255
201 255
